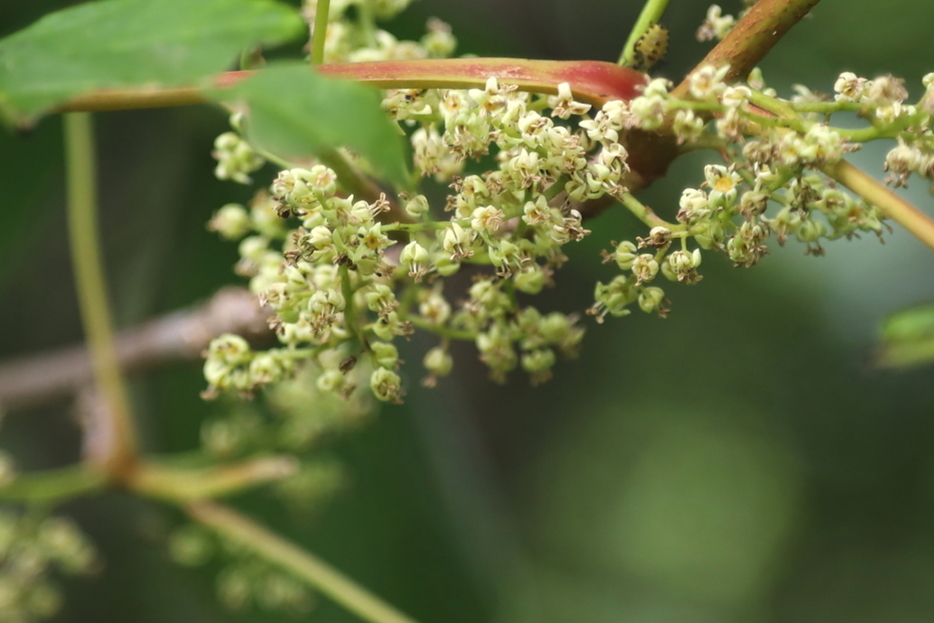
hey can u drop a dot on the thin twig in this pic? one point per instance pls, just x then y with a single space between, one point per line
182 335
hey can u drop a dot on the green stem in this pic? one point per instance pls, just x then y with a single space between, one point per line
185 484
367 22
120 457
827 108
788 114
350 310
647 216
55 484
891 130
918 223
777 107
453 334
555 189
705 141
320 31
424 226
305 565
651 14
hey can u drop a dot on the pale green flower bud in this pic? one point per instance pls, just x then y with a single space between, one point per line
659 236
708 81
716 25
734 97
434 308
438 42
497 352
710 234
191 546
505 255
330 380
283 592
415 258
687 126
253 248
444 265
230 349
381 299
900 162
612 298
386 385
849 87
457 242
532 280
753 203
487 219
322 179
694 205
651 298
61 540
538 364
221 438
235 158
269 367
649 112
387 327
625 254
231 221
326 299
417 206
677 265
645 267
385 354
438 361
234 587
811 230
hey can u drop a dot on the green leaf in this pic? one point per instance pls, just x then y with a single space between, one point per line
907 338
124 43
295 112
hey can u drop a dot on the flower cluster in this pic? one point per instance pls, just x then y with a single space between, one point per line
30 549
334 282
346 276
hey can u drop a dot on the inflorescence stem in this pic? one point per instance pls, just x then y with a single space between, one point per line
120 455
320 31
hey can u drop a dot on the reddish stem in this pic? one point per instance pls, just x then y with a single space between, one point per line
593 82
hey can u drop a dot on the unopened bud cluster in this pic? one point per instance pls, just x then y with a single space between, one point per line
244 581
31 548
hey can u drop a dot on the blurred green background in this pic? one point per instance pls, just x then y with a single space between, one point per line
738 461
